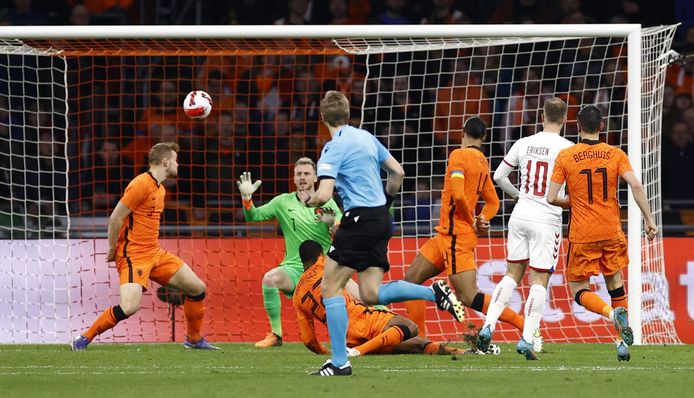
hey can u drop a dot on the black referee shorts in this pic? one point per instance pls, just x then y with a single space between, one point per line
362 239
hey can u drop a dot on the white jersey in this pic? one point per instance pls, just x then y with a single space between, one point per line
534 156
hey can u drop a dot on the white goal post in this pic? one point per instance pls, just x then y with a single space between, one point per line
645 58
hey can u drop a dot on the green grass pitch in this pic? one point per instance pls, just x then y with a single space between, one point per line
241 370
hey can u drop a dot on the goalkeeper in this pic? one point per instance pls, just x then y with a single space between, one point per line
298 223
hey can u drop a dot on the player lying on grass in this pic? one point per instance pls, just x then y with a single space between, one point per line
370 330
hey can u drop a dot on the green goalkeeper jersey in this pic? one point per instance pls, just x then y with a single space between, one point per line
297 221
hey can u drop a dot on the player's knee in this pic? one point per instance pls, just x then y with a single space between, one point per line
466 297
369 296
129 306
271 279
409 329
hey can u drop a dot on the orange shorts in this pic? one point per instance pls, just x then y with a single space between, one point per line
158 265
367 325
587 259
451 253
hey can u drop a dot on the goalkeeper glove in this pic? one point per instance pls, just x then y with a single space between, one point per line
245 186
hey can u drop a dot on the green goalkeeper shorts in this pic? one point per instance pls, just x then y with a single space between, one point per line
294 273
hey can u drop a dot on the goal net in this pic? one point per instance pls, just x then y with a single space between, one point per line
78 115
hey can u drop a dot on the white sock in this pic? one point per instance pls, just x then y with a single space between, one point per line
500 298
534 308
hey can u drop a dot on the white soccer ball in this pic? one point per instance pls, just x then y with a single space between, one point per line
197 104
494 349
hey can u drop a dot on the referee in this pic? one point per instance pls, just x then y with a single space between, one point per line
351 162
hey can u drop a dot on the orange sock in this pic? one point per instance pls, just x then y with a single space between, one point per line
194 310
593 303
416 311
432 348
104 322
619 299
508 315
390 338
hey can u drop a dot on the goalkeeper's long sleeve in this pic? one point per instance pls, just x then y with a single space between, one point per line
265 212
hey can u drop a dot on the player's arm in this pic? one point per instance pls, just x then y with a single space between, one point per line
553 197
396 174
491 207
115 223
558 179
457 174
639 193
501 178
502 172
307 330
250 212
322 195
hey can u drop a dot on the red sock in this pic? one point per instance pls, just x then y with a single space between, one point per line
416 311
194 312
104 322
508 315
390 338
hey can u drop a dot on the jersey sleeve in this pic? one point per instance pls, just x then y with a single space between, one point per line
491 200
381 150
456 165
330 159
511 158
265 212
307 329
135 193
559 172
623 164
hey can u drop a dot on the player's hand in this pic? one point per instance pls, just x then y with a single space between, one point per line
482 224
304 196
246 187
111 255
325 215
651 230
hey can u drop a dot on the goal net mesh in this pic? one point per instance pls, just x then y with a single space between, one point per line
77 118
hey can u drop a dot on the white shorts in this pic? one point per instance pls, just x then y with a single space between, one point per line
534 242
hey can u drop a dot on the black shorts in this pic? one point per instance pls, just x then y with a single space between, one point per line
362 239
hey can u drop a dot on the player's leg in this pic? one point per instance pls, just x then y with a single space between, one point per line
462 270
518 254
615 258
534 308
422 269
439 292
499 301
172 271
421 345
335 278
273 281
397 328
133 275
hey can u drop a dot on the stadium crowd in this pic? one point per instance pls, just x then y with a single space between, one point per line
266 106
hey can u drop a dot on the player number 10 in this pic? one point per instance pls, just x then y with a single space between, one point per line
539 188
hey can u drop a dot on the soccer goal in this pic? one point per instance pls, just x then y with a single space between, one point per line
80 106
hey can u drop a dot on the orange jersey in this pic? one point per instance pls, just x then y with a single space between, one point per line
144 196
308 304
591 170
471 165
